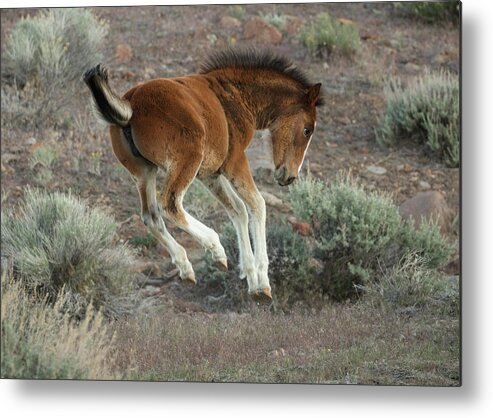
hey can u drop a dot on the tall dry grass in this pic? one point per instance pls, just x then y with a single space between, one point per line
39 341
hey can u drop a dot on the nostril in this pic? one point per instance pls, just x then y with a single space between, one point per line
291 179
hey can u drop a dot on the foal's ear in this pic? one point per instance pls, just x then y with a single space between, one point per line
313 94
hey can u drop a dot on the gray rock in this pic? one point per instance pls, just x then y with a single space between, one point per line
376 170
424 185
275 202
427 205
260 157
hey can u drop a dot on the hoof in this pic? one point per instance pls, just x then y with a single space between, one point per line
189 280
262 296
222 264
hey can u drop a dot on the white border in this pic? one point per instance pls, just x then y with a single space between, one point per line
120 399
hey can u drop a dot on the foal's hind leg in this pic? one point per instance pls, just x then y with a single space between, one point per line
179 177
236 209
144 173
153 220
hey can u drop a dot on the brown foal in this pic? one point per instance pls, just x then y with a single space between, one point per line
199 126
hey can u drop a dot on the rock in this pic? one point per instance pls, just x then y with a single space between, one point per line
404 167
257 29
374 169
427 205
453 267
275 202
123 53
302 228
230 22
424 185
259 154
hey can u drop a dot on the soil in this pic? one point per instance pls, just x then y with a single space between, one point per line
150 42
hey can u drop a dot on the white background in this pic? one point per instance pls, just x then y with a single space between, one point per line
125 399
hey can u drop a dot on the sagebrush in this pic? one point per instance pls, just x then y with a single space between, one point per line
327 36
357 233
428 111
432 12
56 241
408 287
44 58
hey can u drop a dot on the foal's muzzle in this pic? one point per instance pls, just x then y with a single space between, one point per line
282 176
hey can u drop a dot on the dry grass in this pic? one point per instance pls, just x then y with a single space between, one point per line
342 344
40 342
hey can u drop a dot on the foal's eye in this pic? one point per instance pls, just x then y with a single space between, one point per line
307 132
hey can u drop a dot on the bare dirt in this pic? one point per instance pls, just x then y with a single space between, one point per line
150 42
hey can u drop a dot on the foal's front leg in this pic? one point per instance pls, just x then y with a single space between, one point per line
239 174
235 207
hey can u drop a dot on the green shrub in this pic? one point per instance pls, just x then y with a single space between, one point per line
358 233
275 19
426 241
431 11
426 111
40 342
238 11
148 240
327 36
57 242
45 156
44 58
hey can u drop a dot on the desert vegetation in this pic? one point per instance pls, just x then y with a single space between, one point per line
431 12
57 244
42 61
426 110
363 292
327 36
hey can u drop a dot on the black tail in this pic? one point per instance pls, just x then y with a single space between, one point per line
111 108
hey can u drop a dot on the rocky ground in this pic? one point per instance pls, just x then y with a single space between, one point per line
150 42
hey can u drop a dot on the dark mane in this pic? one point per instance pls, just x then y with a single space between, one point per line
254 59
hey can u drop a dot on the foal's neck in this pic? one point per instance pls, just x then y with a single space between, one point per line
262 95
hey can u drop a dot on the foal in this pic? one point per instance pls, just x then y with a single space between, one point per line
200 126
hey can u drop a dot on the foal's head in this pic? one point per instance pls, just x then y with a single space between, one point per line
291 134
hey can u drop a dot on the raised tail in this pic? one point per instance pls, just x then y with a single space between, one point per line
111 108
